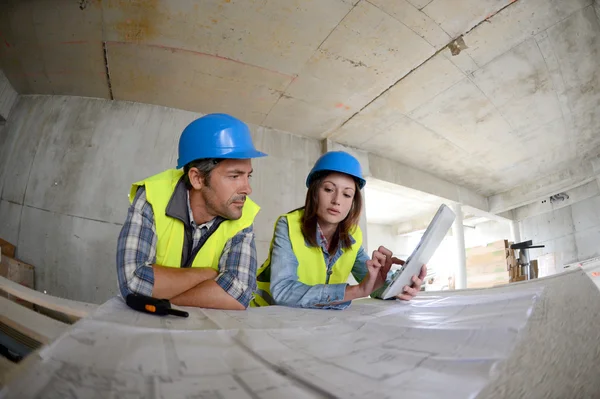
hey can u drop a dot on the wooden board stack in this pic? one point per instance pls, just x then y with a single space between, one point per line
487 265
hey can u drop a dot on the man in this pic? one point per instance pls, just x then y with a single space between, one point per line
188 236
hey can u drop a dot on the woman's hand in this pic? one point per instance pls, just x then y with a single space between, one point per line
412 291
376 268
389 261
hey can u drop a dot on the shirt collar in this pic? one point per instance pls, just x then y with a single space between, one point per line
322 240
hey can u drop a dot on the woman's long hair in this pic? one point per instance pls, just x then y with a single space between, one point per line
345 227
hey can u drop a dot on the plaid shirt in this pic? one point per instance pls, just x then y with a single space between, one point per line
136 253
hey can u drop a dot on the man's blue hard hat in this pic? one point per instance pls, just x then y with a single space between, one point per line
216 136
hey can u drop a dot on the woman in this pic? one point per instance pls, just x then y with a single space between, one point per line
315 248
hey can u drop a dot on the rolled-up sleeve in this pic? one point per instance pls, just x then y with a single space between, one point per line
359 270
238 265
285 287
136 248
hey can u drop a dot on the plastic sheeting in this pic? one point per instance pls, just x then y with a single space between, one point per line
434 346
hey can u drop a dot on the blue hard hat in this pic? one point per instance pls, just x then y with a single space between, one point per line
337 161
216 136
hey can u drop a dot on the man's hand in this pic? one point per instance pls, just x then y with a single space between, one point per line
410 292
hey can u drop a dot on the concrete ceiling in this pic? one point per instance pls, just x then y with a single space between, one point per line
515 98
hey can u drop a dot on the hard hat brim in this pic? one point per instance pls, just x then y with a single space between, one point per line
309 179
248 154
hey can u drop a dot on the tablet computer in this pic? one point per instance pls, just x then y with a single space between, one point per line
430 241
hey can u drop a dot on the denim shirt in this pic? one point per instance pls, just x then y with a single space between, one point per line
285 287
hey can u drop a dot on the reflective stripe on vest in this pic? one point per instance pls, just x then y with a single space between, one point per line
312 269
170 231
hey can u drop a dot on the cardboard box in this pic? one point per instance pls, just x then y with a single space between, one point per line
491 247
487 265
6 248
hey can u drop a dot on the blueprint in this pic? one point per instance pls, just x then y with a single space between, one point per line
592 269
415 349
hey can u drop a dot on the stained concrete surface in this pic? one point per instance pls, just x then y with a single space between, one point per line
348 70
575 195
73 257
10 220
18 150
572 233
543 187
69 173
461 127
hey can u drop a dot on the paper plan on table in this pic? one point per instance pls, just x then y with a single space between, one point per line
375 347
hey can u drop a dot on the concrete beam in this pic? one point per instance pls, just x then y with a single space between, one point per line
8 97
470 219
577 194
578 174
505 217
394 172
397 173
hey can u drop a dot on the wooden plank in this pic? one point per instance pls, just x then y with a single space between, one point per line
7 248
41 328
66 306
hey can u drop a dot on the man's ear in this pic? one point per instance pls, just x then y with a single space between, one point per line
195 178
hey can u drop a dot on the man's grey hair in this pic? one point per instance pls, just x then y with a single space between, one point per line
204 166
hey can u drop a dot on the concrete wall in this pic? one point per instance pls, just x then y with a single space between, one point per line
572 233
66 165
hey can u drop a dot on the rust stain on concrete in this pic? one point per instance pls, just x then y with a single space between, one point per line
135 30
141 18
199 53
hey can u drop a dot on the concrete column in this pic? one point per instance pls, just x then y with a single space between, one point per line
458 233
515 232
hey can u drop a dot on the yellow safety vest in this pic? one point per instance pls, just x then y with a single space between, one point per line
170 231
312 269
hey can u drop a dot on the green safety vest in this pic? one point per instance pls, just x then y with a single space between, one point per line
170 231
312 269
